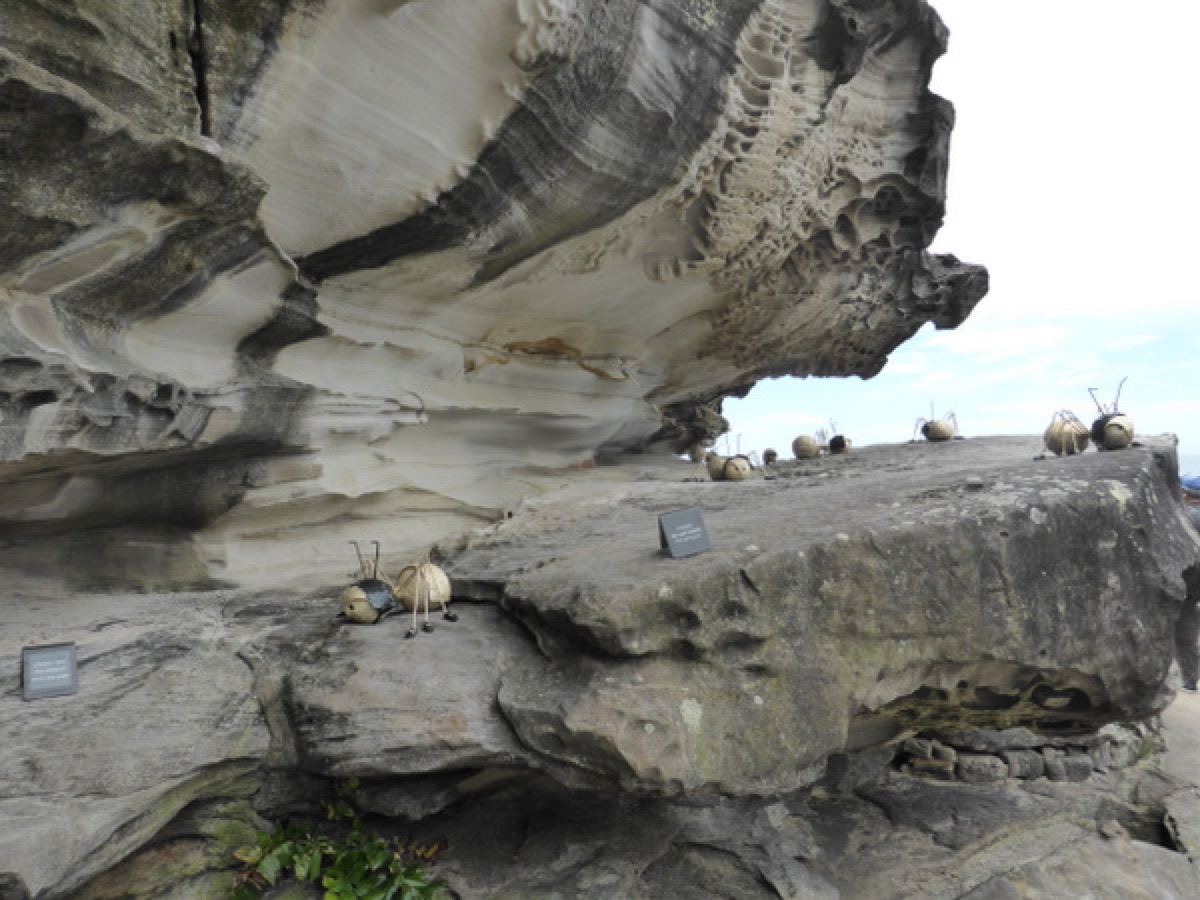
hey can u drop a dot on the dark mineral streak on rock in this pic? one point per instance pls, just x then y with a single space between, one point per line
199 56
586 145
294 321
245 41
49 135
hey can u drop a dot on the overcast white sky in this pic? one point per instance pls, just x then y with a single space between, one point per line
1075 178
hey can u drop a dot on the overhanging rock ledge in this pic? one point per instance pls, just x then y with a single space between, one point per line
276 275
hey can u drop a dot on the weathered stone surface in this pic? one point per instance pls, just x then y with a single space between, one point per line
1024 763
1062 766
1183 821
1096 866
189 859
278 275
982 741
596 687
366 703
534 840
981 768
898 599
274 275
165 717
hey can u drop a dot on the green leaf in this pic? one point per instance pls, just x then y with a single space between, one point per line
270 868
414 876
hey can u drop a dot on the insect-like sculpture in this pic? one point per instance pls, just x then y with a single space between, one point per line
728 468
806 447
422 585
835 445
934 429
372 596
1113 430
1065 435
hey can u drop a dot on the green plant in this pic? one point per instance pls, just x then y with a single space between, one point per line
352 865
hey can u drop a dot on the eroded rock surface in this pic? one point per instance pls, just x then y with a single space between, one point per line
782 715
166 719
848 599
279 273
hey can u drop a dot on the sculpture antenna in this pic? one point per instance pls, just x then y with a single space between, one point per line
362 567
1117 401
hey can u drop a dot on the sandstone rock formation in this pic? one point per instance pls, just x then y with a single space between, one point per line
277 275
913 666
274 275
805 628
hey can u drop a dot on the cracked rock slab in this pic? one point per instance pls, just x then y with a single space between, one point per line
845 602
165 715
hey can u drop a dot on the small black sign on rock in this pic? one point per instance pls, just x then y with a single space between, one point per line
682 533
48 671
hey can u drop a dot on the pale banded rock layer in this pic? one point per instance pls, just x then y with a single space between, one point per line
275 276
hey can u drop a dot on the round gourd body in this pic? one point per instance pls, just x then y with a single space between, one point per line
770 457
1118 432
417 583
716 466
737 468
938 430
1065 436
806 447
356 606
839 443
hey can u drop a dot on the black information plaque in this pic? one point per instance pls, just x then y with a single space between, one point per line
48 671
682 533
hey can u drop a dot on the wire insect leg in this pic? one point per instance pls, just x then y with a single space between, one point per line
426 581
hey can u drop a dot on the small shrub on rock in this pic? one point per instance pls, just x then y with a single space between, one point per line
355 864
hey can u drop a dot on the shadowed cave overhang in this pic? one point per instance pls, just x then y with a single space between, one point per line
628 110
